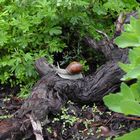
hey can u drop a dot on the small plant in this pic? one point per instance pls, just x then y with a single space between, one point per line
5 117
67 120
49 129
134 135
127 101
71 120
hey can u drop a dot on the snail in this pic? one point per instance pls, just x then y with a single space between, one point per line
72 71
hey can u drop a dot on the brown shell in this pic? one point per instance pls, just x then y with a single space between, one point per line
74 67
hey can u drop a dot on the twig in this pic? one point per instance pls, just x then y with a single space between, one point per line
109 120
104 34
127 117
107 38
37 129
119 23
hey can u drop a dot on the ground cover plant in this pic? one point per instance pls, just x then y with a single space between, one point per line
56 30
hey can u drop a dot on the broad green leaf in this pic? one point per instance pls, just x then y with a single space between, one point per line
128 40
132 69
137 62
112 101
131 36
133 135
116 101
134 54
125 67
126 92
135 73
130 107
135 25
135 88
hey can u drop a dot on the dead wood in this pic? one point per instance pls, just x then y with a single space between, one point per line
51 92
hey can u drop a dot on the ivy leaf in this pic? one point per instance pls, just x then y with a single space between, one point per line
131 36
129 107
113 102
135 73
118 102
126 92
125 67
127 40
135 88
134 135
134 23
132 69
134 55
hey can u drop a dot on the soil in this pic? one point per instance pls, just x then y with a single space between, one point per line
74 122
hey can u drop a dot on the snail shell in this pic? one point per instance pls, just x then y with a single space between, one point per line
74 68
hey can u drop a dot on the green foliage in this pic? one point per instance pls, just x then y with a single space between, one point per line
66 118
132 69
70 117
128 95
131 36
134 135
5 117
30 29
127 101
119 5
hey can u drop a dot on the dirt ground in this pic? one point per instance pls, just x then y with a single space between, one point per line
74 122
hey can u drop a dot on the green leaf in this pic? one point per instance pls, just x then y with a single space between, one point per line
134 135
3 38
125 67
55 31
135 73
126 92
118 102
131 36
132 69
128 40
113 102
134 23
135 88
134 54
130 107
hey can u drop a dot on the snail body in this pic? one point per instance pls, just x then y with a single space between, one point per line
72 71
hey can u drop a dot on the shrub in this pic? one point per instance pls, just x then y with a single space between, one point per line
30 29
